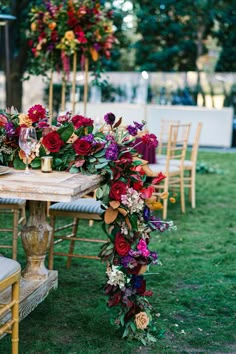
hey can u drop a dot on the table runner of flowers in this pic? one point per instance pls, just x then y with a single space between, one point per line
126 197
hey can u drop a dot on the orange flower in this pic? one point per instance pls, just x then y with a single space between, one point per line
24 120
52 25
141 320
33 26
172 200
94 54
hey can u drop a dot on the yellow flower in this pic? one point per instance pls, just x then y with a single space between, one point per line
69 35
33 26
24 119
141 320
172 200
164 195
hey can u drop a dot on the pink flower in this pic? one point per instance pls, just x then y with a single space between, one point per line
36 113
147 192
150 139
142 247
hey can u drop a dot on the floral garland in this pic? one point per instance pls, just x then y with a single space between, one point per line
58 29
125 195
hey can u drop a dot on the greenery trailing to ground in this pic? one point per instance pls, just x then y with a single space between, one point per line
194 289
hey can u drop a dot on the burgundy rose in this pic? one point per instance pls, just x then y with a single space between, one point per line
52 141
117 189
82 147
80 121
121 245
115 299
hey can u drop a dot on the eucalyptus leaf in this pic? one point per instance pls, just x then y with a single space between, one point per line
101 165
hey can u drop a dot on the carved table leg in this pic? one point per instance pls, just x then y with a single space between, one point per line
36 236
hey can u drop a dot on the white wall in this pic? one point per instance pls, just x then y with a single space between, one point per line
217 123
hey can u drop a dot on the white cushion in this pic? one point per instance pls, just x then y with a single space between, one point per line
160 167
8 267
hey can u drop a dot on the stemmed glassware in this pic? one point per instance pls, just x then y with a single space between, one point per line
27 142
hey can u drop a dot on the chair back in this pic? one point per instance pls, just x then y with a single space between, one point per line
195 146
163 135
177 143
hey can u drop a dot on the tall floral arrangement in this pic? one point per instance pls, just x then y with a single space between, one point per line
58 29
126 196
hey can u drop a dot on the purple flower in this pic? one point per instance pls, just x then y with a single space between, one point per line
88 138
110 118
146 213
10 130
132 130
110 137
128 262
112 152
154 256
138 125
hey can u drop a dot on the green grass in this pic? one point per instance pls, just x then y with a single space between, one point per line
194 289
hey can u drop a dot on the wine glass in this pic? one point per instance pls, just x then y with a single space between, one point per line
27 142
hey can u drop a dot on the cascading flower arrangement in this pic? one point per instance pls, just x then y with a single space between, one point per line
125 195
58 29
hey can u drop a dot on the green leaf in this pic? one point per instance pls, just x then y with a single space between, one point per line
133 220
74 169
99 193
36 163
101 165
100 153
65 132
133 327
126 333
18 164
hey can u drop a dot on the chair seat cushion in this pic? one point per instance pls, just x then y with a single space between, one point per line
5 201
160 167
82 205
8 267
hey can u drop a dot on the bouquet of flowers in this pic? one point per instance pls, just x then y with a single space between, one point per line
60 29
125 194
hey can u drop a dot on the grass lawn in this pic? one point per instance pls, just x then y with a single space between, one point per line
194 288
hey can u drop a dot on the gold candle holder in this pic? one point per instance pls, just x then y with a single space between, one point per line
46 163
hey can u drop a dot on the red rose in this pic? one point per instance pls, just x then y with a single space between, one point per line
121 245
52 141
117 189
80 121
82 147
3 120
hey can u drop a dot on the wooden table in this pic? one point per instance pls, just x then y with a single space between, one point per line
39 188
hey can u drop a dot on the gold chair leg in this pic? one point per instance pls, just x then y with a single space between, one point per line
15 316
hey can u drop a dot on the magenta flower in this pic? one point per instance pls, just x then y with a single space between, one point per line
142 247
150 139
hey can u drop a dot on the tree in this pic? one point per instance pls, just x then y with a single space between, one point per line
173 33
17 51
226 35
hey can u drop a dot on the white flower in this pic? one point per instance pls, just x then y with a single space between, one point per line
116 277
133 201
